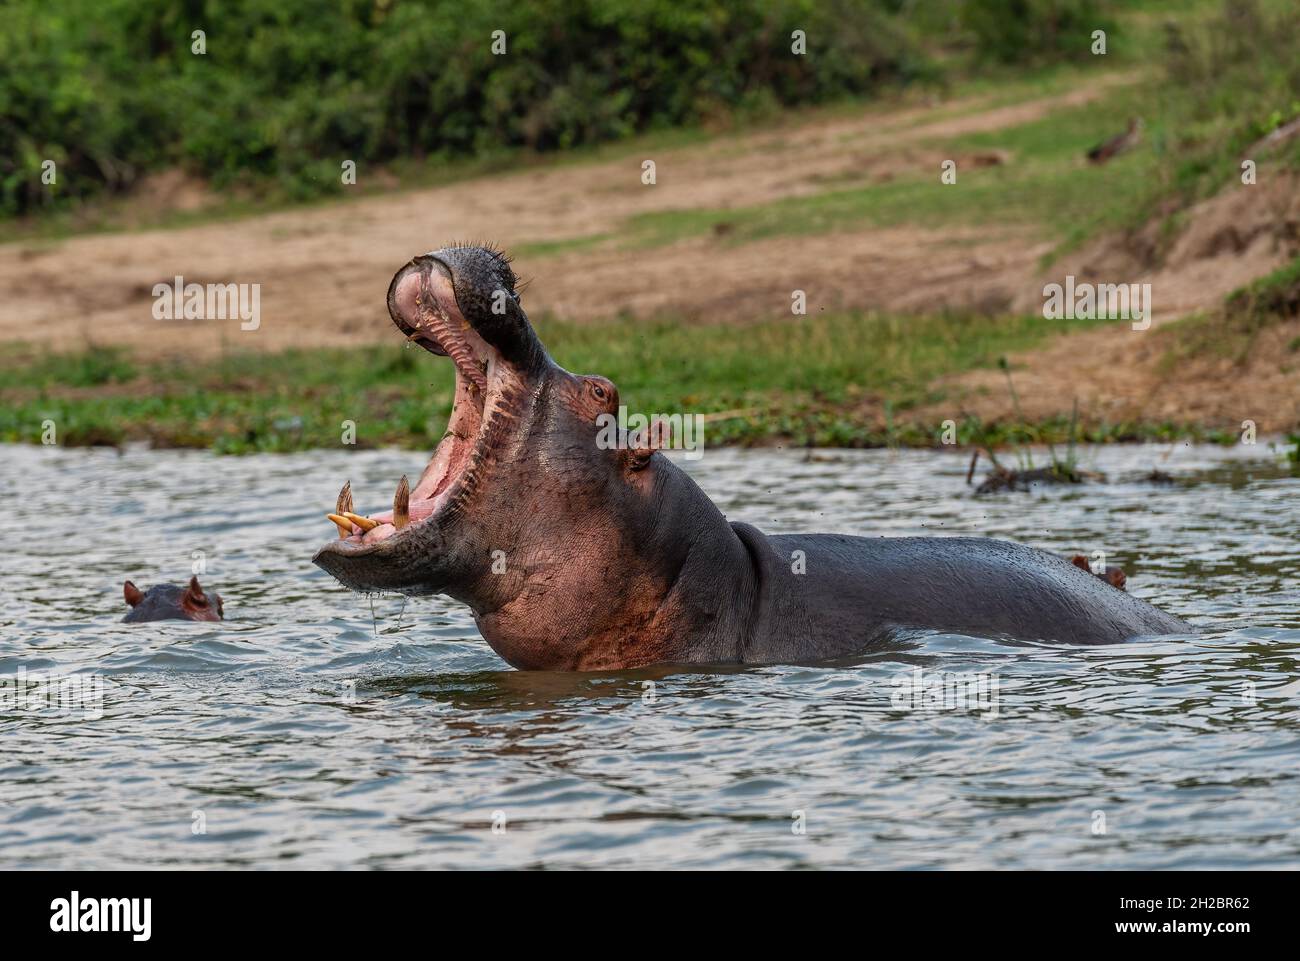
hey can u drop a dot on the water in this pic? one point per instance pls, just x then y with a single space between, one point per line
1172 754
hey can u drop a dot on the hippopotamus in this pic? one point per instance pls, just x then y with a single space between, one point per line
575 553
169 602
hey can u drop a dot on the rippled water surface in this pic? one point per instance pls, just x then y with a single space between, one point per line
306 732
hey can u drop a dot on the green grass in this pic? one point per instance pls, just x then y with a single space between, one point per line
1045 184
823 379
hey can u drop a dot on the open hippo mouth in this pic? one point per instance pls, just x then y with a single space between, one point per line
374 552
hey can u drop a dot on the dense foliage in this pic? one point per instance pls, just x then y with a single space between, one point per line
286 91
1034 31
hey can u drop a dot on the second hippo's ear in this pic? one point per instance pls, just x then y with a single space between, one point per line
132 593
643 443
194 594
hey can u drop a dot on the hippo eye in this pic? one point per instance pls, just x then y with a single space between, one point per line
598 391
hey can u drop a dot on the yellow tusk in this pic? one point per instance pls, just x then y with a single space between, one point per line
343 524
365 523
402 504
342 506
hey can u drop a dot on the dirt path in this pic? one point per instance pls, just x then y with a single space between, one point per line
323 270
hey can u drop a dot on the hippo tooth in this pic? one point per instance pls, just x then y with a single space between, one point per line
343 524
402 504
365 523
342 506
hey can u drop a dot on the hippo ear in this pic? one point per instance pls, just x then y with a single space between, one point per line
642 444
132 593
194 594
1081 562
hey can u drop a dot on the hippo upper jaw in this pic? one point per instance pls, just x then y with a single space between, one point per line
459 303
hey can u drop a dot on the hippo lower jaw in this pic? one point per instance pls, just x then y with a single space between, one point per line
382 550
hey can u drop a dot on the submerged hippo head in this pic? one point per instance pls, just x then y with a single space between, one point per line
523 513
169 602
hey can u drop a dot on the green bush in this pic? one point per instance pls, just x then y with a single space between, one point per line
109 89
1034 31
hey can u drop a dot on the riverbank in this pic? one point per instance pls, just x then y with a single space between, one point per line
832 380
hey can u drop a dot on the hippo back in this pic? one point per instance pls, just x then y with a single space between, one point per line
855 591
